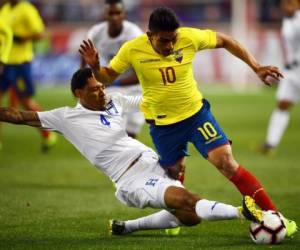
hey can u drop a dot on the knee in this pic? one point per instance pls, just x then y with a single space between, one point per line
284 105
188 201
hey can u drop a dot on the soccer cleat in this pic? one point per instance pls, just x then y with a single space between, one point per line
173 231
250 211
291 227
267 149
117 227
49 142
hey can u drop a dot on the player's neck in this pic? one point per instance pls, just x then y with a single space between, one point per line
91 107
114 32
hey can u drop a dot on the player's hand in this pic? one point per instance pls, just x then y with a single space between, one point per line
176 172
269 74
89 54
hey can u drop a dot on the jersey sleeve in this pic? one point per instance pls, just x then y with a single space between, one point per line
35 22
92 33
6 38
52 120
121 61
129 103
203 39
136 31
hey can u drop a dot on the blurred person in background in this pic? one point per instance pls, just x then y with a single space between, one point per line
6 39
108 37
288 92
27 26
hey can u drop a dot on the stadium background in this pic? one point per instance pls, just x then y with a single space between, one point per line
58 201
254 22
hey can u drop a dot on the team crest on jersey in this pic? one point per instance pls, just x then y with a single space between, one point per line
178 56
111 108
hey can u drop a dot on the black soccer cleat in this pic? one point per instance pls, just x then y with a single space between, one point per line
117 227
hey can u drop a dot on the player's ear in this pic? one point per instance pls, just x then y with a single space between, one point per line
78 93
149 34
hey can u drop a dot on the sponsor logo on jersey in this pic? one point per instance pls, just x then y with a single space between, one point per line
150 60
111 109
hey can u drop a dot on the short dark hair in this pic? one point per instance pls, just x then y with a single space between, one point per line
110 2
79 78
163 19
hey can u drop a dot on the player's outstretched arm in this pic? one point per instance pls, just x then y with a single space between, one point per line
266 73
12 115
91 56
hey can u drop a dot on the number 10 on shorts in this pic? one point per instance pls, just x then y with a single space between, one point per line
208 131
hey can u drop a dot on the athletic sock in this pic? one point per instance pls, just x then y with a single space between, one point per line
160 220
45 134
247 184
278 123
213 210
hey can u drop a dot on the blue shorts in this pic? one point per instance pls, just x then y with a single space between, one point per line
19 77
201 129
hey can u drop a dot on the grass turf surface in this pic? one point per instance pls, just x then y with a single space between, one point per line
59 201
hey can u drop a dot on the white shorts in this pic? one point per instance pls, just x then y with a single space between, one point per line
289 86
134 119
144 184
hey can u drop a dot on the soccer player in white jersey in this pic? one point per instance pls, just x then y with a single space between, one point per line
288 92
96 128
108 37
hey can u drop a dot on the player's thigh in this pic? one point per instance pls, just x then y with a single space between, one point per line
206 133
170 142
145 190
289 88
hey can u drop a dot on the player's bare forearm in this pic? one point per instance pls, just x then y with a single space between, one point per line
12 115
130 80
237 49
265 73
105 75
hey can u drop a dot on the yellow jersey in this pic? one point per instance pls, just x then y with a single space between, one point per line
6 38
170 92
24 20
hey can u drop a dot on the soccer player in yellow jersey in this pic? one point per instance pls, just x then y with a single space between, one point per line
27 26
172 103
6 38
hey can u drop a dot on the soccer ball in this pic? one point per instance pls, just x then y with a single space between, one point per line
270 231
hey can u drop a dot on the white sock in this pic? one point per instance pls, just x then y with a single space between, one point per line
160 220
213 210
277 125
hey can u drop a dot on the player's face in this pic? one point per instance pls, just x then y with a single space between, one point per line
163 42
93 95
289 7
115 15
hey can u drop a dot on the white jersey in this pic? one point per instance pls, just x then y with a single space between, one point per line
99 135
291 35
108 46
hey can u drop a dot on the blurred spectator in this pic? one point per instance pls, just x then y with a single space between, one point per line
27 26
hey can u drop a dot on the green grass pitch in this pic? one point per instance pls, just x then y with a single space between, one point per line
60 201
